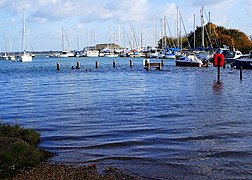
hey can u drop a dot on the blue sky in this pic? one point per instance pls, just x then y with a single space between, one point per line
87 22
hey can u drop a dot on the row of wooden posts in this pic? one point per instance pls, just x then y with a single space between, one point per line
147 65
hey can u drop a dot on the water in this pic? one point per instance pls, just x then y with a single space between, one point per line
176 123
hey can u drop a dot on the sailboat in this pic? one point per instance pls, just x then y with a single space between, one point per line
25 56
11 55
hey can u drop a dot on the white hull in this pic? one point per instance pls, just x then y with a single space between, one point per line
25 58
92 53
170 56
189 60
153 55
12 57
111 55
66 54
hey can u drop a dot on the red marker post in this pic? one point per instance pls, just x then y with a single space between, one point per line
218 61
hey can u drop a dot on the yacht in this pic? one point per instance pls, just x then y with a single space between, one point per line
24 56
189 60
66 54
229 56
92 53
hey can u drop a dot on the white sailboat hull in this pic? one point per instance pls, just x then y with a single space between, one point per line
92 53
25 58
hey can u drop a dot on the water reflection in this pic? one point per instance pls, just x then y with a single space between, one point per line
217 87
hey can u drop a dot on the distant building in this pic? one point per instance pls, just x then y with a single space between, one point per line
107 45
100 47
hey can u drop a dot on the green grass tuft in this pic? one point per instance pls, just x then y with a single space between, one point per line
28 135
18 149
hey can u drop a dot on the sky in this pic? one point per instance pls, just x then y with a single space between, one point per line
125 22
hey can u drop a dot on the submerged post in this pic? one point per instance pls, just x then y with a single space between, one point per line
219 60
96 64
58 66
160 66
162 62
114 63
148 66
78 65
241 71
131 63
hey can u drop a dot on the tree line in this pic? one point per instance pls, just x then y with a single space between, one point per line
214 37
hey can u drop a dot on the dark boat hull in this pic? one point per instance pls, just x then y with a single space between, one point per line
190 64
245 63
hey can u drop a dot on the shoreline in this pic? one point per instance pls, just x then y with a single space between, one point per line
20 158
49 170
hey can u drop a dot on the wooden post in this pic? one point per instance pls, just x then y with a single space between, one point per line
131 63
146 62
114 63
241 71
148 66
78 65
97 64
160 66
219 60
58 66
162 62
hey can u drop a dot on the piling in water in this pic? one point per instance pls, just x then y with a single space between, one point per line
58 66
148 66
114 63
78 65
241 72
160 66
131 63
218 76
96 64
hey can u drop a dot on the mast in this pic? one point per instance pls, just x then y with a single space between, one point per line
182 21
62 39
161 27
180 27
202 26
209 20
194 34
23 45
165 40
154 32
10 45
173 44
177 27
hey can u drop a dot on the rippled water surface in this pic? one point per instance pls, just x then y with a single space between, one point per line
174 123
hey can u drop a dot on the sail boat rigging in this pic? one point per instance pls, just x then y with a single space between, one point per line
25 56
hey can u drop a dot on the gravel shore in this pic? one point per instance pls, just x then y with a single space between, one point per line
45 171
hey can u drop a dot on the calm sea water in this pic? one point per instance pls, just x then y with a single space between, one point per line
174 123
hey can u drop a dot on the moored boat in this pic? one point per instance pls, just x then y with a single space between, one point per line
66 54
245 63
92 53
229 56
24 56
189 60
